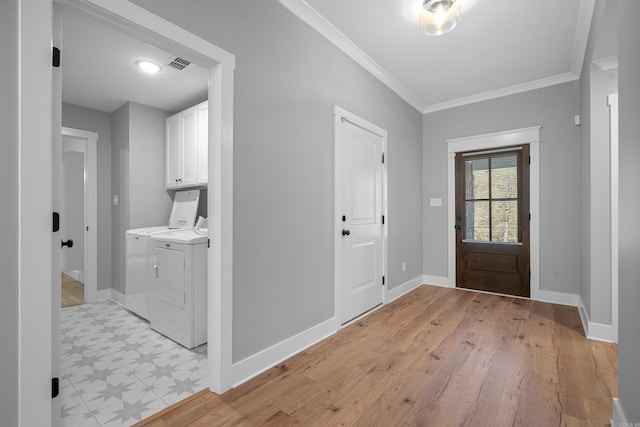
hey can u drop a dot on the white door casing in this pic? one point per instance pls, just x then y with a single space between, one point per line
87 142
612 100
360 206
144 25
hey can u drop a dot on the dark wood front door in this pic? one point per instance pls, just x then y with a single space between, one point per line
492 220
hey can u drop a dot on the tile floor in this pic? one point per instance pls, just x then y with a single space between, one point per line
116 370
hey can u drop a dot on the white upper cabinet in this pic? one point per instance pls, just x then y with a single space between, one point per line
187 144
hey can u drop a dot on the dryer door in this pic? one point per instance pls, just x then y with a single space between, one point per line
170 276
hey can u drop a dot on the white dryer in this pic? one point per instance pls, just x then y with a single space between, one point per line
138 268
178 307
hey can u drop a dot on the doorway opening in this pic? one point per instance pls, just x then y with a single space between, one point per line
78 226
137 22
498 141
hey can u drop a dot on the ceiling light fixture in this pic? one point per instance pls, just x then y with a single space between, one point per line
148 66
438 17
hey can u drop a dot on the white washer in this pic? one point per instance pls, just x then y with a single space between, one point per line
178 307
139 279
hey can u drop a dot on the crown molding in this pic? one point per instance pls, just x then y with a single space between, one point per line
311 17
498 93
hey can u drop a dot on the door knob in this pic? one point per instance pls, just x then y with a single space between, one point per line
68 243
458 227
346 232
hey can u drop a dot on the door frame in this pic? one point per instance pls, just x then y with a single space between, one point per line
495 140
90 210
146 26
612 101
340 114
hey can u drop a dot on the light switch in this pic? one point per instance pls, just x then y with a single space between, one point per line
115 200
435 202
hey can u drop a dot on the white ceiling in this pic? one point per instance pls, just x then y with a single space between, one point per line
498 48
98 70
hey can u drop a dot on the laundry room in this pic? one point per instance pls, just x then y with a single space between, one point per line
144 296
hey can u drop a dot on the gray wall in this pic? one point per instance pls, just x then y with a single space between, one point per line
9 161
137 177
602 84
287 80
629 290
149 202
553 108
88 119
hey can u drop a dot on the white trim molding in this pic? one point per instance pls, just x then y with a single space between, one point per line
90 209
531 136
146 26
441 281
592 330
265 359
499 93
612 100
618 418
403 289
315 20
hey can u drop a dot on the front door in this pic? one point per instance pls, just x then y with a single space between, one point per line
492 220
361 174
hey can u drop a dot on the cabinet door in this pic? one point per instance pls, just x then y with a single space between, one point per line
173 151
189 133
203 142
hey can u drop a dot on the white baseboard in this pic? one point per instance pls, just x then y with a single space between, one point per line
595 331
555 297
405 288
255 364
618 418
584 316
437 281
118 297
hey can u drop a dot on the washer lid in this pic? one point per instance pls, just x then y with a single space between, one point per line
184 209
186 237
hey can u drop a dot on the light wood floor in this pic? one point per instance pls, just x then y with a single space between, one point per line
435 357
72 291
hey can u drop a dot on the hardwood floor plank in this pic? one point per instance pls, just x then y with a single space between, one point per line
437 356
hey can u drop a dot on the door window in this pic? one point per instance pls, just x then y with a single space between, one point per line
493 188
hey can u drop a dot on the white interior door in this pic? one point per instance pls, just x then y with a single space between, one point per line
360 146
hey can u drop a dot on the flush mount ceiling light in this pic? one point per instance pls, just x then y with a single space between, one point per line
438 17
148 67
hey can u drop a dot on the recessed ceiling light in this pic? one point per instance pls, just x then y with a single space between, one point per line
148 67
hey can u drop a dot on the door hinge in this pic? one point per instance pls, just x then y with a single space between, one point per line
208 243
55 387
382 280
56 222
382 219
529 159
529 216
55 60
383 158
529 275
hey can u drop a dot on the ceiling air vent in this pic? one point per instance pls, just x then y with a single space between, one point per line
178 63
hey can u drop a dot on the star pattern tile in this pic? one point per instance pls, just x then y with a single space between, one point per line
117 370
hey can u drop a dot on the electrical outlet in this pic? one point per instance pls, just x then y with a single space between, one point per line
404 266
115 200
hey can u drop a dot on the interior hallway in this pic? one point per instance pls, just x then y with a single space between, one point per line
435 357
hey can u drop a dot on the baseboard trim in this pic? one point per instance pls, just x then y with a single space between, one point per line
618 419
437 281
555 297
595 331
405 288
118 297
257 363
